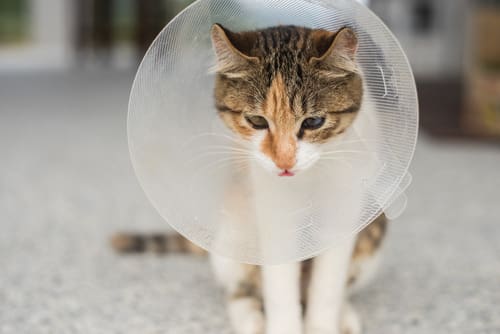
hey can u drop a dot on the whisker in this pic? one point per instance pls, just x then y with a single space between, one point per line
347 144
307 162
229 148
220 153
348 162
340 156
344 161
216 164
218 135
364 140
228 152
322 169
348 151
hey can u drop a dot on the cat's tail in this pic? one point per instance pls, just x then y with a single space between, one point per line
159 243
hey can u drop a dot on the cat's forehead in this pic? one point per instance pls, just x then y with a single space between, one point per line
283 40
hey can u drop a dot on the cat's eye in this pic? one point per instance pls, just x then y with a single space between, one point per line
257 122
313 123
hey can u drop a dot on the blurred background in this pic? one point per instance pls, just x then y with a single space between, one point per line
66 184
452 46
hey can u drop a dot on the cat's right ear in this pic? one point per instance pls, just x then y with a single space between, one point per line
230 60
340 54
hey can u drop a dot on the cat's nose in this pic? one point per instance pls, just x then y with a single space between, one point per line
282 150
285 159
285 164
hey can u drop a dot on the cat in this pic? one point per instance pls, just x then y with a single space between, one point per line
288 90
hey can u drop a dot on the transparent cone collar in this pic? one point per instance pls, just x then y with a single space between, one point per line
184 156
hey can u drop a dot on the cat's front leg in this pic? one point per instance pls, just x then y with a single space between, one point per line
241 283
326 295
281 292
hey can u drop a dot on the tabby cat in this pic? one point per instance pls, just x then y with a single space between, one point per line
288 90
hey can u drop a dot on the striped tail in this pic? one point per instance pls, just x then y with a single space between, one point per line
130 243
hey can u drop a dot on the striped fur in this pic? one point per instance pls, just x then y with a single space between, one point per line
159 243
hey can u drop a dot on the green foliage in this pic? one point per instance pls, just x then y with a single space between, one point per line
13 20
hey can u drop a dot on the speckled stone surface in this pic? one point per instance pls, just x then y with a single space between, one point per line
66 185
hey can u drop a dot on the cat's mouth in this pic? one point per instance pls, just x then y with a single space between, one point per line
286 172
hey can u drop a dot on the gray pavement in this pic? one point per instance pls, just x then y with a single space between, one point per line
66 185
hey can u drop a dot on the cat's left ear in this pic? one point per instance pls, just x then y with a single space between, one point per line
231 50
341 53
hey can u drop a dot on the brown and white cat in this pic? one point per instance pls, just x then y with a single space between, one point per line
288 90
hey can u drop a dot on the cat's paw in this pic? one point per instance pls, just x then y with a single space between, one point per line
284 326
284 331
323 327
350 323
323 330
247 317
253 324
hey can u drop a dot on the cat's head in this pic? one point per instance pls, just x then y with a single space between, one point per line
288 90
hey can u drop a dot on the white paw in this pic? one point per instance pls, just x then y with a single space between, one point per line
284 331
253 324
316 330
350 322
284 327
324 326
246 317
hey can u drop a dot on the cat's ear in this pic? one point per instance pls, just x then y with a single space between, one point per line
337 50
231 50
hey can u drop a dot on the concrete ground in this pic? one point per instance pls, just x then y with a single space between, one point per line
66 185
